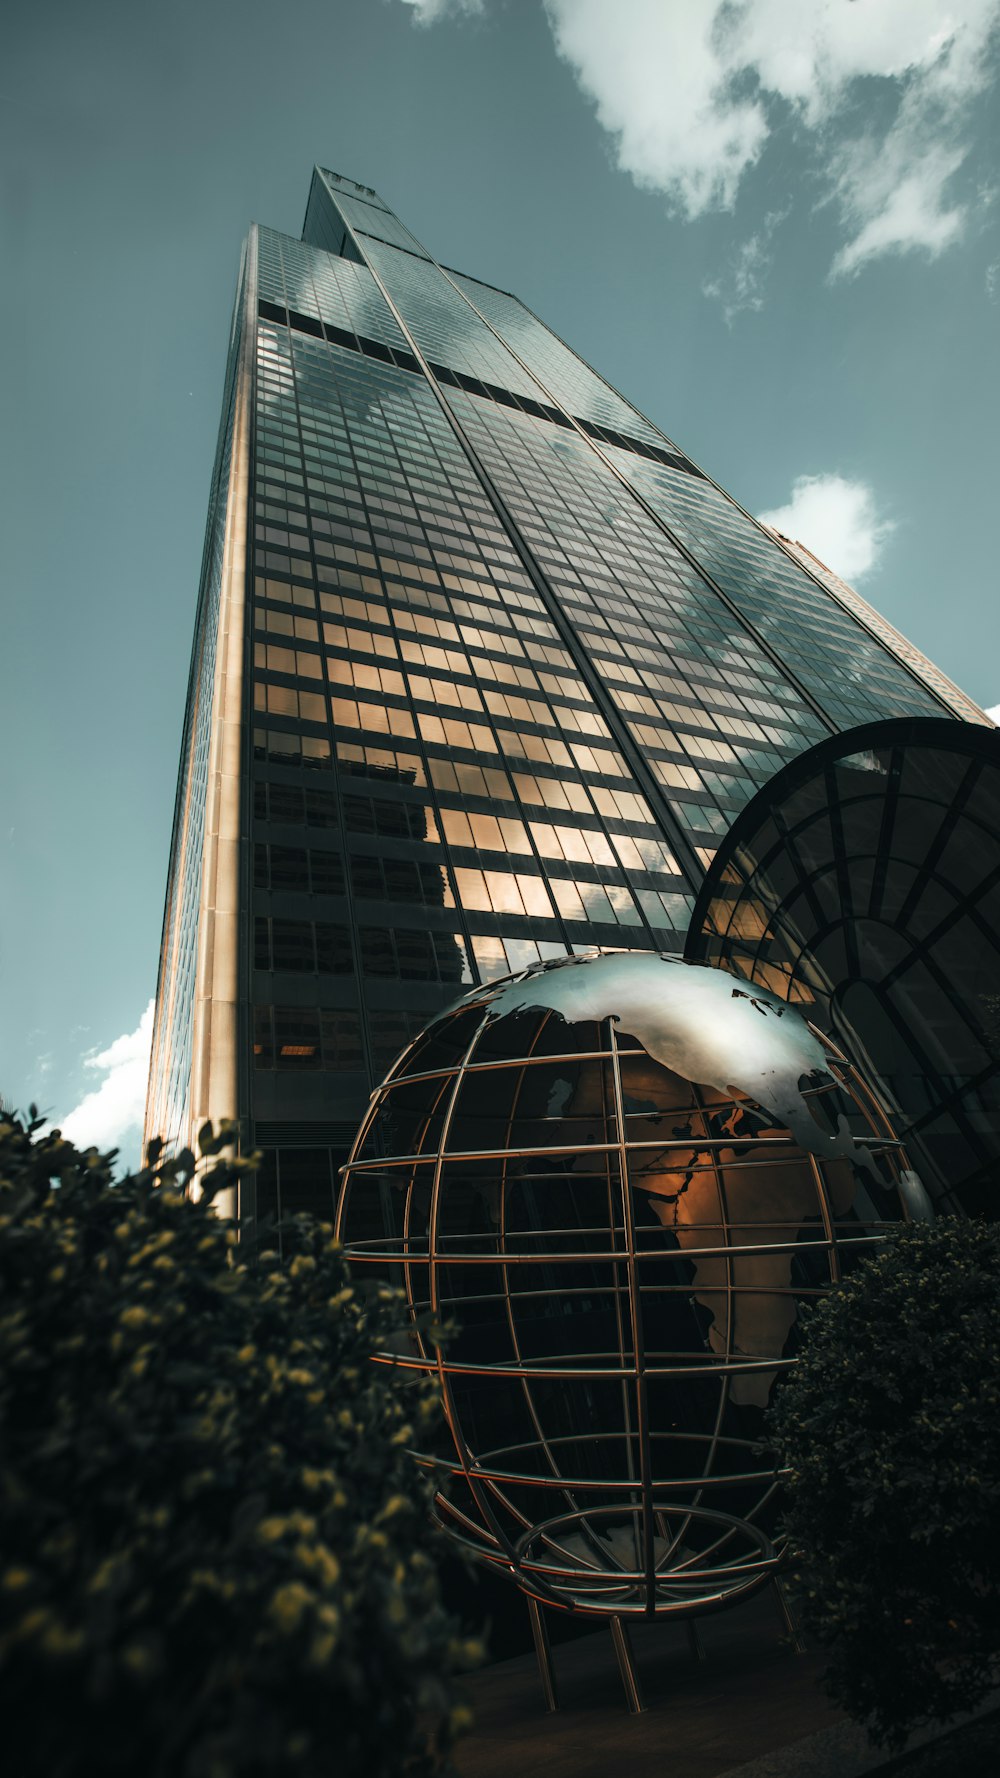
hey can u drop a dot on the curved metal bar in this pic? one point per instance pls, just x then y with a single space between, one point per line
638 1340
444 1372
511 1319
672 1256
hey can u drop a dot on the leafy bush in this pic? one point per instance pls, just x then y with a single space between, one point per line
890 1428
215 1553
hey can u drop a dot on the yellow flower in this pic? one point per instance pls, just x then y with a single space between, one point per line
134 1317
397 1504
303 1262
320 1561
16 1578
269 1530
321 1648
289 1604
58 1640
247 1354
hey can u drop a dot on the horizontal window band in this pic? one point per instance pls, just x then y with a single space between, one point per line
304 1135
338 336
456 379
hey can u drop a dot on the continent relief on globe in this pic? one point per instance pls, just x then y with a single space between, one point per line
711 1029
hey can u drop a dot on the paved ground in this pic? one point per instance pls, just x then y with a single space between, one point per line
750 1696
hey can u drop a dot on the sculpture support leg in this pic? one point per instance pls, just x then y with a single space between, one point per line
543 1654
626 1665
695 1643
789 1621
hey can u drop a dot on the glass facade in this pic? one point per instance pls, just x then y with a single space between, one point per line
511 666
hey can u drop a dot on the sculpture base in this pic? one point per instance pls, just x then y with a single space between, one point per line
749 1695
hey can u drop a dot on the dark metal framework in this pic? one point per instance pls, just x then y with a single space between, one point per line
863 884
623 1255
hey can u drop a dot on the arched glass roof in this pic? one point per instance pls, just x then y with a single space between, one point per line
863 884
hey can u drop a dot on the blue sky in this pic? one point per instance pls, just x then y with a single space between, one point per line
774 226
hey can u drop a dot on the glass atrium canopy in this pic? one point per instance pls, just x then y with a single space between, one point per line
863 884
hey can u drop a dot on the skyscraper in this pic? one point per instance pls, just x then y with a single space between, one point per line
484 666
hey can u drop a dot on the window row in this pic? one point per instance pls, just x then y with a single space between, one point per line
299 868
416 821
304 1037
304 947
400 879
389 817
413 955
288 748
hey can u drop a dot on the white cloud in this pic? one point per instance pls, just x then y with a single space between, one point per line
690 96
111 1115
430 12
741 286
993 712
894 200
993 280
836 519
654 70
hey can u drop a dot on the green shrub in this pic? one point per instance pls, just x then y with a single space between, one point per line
215 1552
890 1428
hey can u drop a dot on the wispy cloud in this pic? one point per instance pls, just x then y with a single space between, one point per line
893 195
691 95
993 712
836 519
111 1114
742 285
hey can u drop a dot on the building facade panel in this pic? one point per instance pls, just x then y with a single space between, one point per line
511 667
169 1097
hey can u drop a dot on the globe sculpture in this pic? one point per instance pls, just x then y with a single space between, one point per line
618 1178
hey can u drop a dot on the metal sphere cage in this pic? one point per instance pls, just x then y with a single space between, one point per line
622 1254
